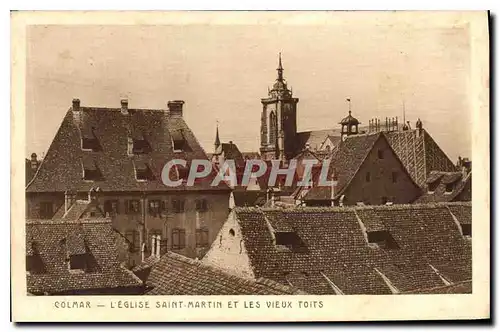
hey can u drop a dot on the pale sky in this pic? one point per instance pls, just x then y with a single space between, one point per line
222 72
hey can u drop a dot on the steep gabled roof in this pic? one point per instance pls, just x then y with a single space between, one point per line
55 239
339 255
314 138
174 274
345 162
231 152
419 153
62 169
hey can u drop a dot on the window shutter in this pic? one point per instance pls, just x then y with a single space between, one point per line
163 206
182 235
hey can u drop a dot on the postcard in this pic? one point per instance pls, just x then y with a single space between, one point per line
250 166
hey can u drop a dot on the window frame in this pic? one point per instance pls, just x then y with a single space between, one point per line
178 236
202 239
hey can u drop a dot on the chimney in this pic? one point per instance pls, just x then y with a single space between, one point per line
158 247
34 161
76 105
175 107
124 108
76 110
69 200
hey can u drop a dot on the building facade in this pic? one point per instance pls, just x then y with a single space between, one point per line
121 153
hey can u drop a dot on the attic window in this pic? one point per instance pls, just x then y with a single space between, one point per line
290 241
382 239
89 140
90 170
466 229
178 140
368 177
182 172
142 171
431 187
449 188
78 262
139 143
380 154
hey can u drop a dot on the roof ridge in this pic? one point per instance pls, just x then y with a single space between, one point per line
244 209
97 220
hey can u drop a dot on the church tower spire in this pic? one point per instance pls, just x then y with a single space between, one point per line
217 140
280 69
278 128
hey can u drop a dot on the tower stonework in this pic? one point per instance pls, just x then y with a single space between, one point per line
278 127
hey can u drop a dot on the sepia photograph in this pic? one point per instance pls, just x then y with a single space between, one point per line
285 157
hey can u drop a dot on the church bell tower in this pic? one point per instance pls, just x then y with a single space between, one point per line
278 129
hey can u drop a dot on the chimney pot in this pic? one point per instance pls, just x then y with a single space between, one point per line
124 103
175 107
76 105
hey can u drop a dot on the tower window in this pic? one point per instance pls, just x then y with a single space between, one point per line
273 128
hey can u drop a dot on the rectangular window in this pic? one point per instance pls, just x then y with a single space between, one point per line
380 154
111 207
133 206
466 229
383 200
155 208
202 237
178 205
178 238
46 210
142 171
394 177
78 262
133 237
368 177
431 187
201 205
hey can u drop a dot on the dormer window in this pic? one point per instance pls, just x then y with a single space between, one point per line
90 170
78 254
34 263
466 229
289 241
182 172
381 239
449 188
178 140
431 187
142 171
140 144
89 139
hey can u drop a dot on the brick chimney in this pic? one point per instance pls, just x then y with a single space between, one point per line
77 114
175 107
34 161
124 108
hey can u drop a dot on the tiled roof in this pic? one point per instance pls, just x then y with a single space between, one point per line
56 239
61 169
461 190
76 210
231 152
464 287
178 275
419 153
346 160
425 239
